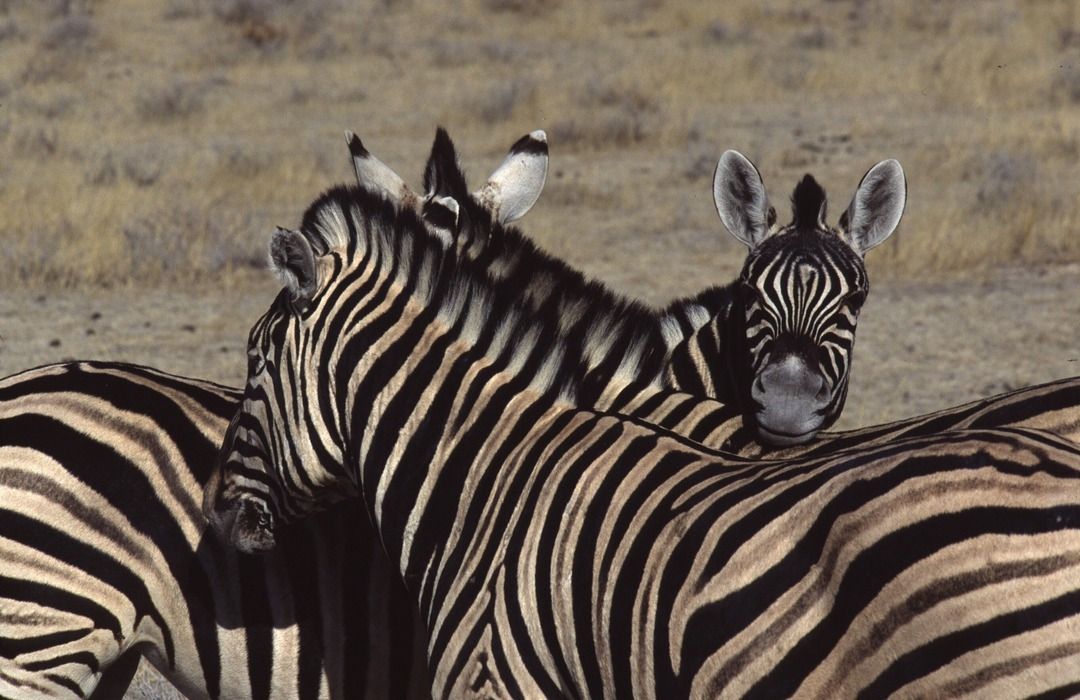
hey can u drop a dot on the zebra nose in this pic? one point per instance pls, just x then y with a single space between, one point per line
791 398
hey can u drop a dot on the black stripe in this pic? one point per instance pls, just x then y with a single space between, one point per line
528 144
926 659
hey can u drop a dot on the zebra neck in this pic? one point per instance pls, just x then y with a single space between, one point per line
421 404
428 465
706 337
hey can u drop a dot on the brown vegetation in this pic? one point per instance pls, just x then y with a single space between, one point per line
155 141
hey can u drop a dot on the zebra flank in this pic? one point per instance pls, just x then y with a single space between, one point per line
560 551
106 553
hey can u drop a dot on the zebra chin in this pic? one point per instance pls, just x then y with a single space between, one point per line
789 420
791 399
244 523
782 438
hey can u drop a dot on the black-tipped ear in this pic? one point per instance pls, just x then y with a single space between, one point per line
876 208
442 174
740 199
293 261
374 175
514 187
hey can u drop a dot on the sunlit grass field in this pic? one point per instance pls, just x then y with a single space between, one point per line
152 142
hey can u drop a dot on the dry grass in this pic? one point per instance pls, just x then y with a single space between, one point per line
149 142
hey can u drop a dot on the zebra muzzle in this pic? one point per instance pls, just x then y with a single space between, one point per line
792 398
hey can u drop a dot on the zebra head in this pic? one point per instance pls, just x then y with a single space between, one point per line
800 291
280 459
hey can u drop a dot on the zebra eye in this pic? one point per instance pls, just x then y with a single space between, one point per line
856 299
749 291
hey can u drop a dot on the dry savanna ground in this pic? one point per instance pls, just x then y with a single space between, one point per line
147 147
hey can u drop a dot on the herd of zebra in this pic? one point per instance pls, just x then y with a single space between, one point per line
460 468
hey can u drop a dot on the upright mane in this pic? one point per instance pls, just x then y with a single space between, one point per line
808 205
588 314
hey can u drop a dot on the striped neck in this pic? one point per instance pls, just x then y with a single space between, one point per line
705 337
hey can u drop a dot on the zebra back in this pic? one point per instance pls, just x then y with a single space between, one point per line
704 336
787 323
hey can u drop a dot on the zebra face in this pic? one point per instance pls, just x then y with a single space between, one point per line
800 292
275 463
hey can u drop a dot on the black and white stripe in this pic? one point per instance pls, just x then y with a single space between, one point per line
617 338
105 552
785 331
559 552
776 344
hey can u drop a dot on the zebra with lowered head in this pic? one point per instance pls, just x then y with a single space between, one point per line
102 470
559 551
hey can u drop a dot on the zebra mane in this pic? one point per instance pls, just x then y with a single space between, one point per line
808 205
684 317
443 175
357 223
579 305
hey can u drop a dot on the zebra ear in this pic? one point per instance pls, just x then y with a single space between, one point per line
514 187
293 262
876 208
441 216
740 199
374 175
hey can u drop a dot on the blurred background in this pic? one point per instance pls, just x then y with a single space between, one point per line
148 147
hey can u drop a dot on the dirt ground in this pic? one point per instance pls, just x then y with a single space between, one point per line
920 345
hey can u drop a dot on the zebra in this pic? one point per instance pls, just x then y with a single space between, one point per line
776 344
559 551
106 556
78 400
66 423
76 427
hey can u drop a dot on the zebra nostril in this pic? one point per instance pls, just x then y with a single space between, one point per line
758 386
824 393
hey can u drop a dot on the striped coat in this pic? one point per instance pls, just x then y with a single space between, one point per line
105 552
560 551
